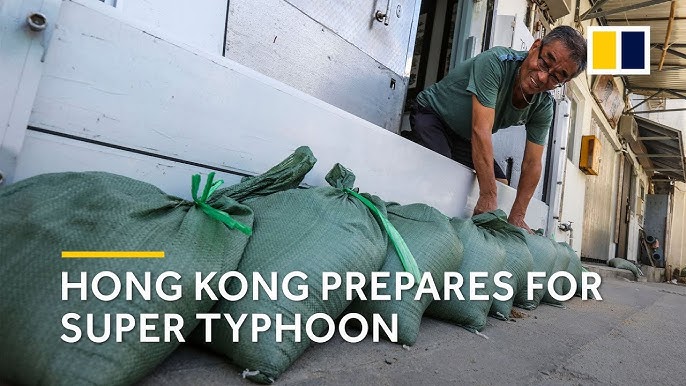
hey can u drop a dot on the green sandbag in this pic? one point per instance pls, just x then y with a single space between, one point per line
95 211
436 248
544 253
575 268
315 230
618 262
518 262
482 253
561 264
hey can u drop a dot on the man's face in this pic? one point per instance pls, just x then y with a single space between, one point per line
546 67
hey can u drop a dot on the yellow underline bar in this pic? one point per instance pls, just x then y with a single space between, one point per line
112 254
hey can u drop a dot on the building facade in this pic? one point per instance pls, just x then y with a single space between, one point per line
157 89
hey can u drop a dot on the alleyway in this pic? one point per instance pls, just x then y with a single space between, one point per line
634 336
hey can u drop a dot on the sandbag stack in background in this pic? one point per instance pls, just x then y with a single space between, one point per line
315 230
483 252
436 248
561 264
518 262
574 267
94 211
544 255
624 264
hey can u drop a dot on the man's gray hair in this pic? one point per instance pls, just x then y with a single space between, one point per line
573 40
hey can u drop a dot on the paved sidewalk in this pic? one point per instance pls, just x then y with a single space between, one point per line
634 336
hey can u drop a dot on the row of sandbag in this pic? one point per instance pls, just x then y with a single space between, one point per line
312 230
94 211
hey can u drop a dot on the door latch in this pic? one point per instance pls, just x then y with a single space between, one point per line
37 21
383 16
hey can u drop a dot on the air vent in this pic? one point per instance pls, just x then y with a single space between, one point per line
628 128
558 8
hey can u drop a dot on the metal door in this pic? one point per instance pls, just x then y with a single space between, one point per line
599 204
383 38
336 51
624 208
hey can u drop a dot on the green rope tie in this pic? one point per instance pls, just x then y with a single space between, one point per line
406 258
216 214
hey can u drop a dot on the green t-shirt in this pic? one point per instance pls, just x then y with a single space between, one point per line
490 76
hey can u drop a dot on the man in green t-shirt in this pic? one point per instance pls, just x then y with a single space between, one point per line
494 90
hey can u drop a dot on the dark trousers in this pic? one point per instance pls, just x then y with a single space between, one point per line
430 131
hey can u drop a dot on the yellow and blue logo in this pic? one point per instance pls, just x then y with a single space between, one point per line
618 50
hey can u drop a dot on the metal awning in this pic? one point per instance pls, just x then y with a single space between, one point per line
661 147
667 21
664 148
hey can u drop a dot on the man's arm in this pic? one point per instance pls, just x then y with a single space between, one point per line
482 156
531 173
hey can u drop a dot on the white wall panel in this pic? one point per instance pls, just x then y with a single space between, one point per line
198 23
21 54
106 80
511 7
572 205
45 153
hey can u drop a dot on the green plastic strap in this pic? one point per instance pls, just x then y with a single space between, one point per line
401 248
216 214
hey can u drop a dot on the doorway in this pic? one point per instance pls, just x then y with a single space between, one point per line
624 208
442 40
600 213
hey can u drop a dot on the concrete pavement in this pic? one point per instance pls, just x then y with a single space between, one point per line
634 336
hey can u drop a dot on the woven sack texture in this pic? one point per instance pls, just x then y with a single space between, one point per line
315 230
544 254
483 252
618 262
574 268
518 263
95 211
562 283
436 248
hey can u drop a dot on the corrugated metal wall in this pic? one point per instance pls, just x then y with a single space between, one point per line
600 204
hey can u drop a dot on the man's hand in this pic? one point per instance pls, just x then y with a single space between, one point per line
482 156
486 203
518 221
531 173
